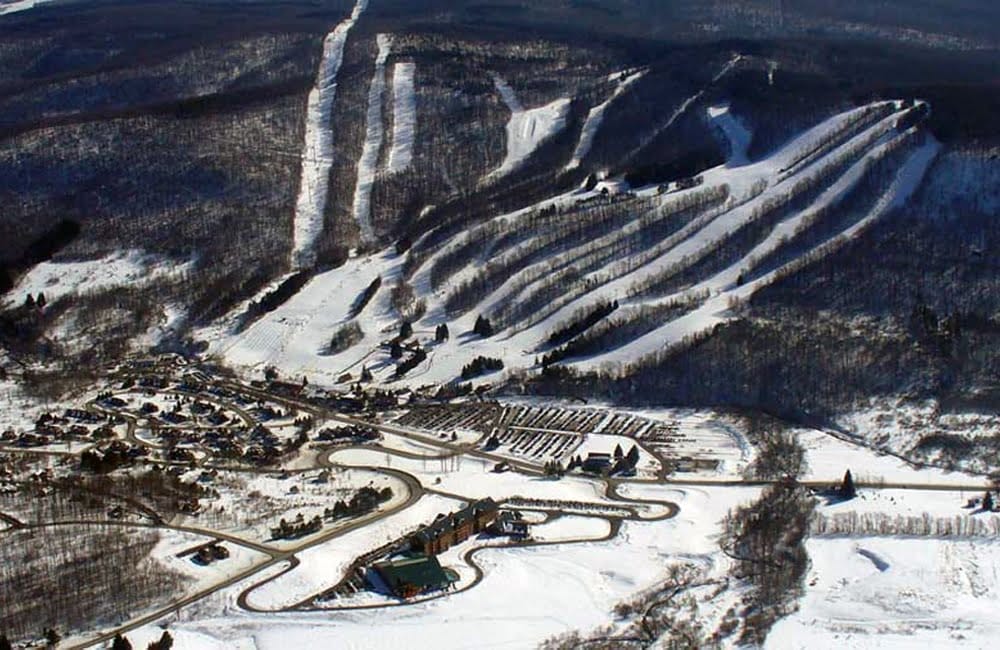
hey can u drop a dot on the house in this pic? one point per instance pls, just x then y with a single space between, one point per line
411 576
597 463
510 525
455 528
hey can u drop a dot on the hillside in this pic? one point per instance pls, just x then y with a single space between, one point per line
778 209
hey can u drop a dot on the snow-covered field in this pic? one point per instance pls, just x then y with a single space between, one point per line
891 593
527 594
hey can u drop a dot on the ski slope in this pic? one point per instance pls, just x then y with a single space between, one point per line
317 151
404 116
367 166
540 274
595 117
527 129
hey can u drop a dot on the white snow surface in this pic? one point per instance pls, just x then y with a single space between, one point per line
404 116
130 268
317 152
527 129
527 595
595 117
19 5
892 593
374 134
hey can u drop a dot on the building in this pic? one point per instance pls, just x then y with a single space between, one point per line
411 576
597 463
448 530
510 525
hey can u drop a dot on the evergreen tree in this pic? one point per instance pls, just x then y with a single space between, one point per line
396 351
366 374
988 502
405 330
166 642
121 643
633 456
847 489
40 300
618 452
29 301
483 327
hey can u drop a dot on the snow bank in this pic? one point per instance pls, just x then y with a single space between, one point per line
317 152
19 5
527 129
404 117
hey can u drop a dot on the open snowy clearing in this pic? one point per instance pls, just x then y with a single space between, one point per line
131 268
896 593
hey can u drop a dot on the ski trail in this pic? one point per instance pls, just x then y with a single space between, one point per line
404 117
373 144
317 151
680 110
713 311
595 117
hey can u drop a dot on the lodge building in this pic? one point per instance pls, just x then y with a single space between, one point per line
455 528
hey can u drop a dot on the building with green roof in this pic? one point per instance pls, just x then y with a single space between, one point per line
414 575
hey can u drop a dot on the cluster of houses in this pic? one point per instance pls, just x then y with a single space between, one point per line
74 424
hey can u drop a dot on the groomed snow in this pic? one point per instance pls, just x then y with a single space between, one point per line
527 129
404 116
19 5
317 152
367 166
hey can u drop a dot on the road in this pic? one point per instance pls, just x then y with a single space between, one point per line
415 491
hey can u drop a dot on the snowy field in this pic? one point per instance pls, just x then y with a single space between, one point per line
527 594
890 593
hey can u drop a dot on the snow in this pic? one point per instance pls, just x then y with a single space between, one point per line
172 542
132 268
527 129
571 528
404 117
19 5
736 134
595 117
317 152
294 336
828 457
890 593
322 566
527 594
373 143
